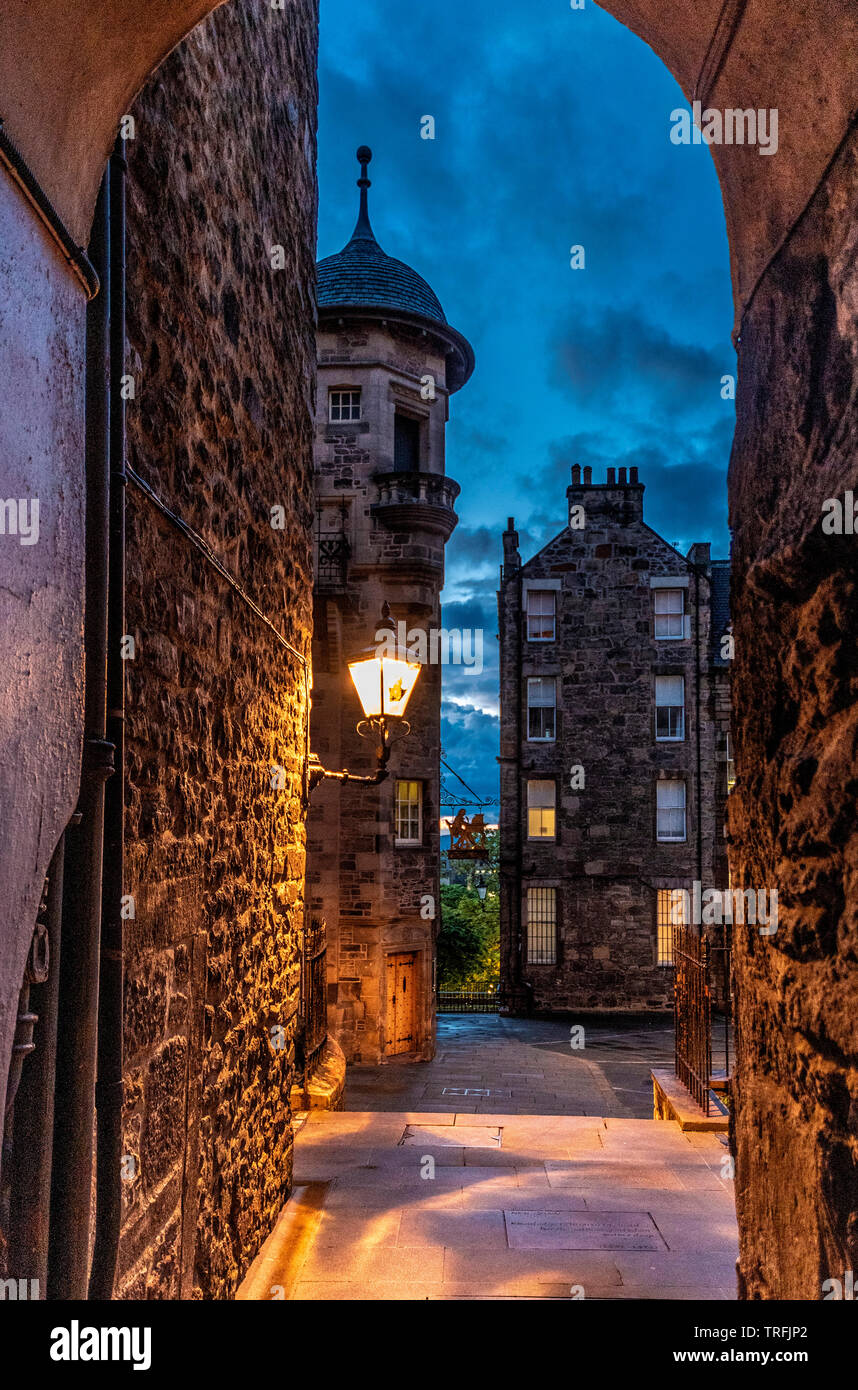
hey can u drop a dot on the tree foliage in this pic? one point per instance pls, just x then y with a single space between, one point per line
469 941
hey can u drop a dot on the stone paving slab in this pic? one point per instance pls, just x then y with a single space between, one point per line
496 1223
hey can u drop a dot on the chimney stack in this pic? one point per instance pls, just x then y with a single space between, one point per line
511 557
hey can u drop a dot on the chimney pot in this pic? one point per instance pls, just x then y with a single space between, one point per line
622 477
633 475
588 475
576 474
612 477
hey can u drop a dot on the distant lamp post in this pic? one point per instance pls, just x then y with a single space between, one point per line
384 677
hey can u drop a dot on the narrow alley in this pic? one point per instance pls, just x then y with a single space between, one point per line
512 1166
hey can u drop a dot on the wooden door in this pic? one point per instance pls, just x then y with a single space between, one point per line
401 1030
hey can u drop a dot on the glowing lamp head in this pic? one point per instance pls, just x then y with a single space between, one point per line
385 674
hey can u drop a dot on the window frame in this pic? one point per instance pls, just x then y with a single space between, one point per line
548 949
404 842
548 807
682 614
672 839
532 593
345 391
665 912
669 738
543 680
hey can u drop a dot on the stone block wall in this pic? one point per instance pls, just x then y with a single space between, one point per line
605 864
222 352
794 813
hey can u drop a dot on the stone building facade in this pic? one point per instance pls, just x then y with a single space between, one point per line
614 752
388 365
222 351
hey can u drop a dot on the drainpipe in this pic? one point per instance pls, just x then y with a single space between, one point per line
108 1095
33 1119
697 726
79 966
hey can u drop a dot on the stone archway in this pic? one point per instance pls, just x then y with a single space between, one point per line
794 246
66 76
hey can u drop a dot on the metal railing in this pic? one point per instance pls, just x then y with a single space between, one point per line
314 990
469 1001
692 1012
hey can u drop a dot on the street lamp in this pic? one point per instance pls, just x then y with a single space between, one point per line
384 676
481 887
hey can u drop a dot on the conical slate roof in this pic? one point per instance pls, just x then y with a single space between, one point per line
361 275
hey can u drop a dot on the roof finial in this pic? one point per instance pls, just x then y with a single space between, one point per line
363 230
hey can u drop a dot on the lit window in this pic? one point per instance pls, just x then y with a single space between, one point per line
541 926
344 405
669 613
731 765
541 709
670 709
672 912
541 814
540 615
409 813
670 810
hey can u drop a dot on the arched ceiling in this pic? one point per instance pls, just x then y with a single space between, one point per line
69 69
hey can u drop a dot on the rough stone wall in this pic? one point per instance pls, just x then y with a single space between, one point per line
794 813
222 350
605 863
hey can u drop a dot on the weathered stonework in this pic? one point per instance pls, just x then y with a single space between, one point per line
605 864
222 350
794 814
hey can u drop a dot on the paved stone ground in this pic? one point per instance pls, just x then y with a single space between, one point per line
557 1184
462 1206
526 1067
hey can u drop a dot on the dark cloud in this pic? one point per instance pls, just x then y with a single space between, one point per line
624 358
469 739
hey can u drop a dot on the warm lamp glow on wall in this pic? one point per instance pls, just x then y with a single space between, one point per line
384 677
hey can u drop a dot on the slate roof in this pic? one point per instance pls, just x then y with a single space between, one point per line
720 607
362 275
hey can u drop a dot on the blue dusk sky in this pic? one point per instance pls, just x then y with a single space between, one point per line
552 129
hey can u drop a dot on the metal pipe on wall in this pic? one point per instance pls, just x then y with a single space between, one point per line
69 1248
108 1210
34 1105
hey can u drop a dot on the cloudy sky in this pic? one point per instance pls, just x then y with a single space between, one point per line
551 130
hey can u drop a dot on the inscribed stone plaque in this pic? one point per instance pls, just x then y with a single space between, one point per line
577 1230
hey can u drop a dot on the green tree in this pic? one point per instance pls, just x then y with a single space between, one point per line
469 940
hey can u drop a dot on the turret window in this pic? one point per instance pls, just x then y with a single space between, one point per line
409 813
406 444
343 405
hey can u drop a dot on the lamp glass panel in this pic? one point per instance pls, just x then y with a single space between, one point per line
384 685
